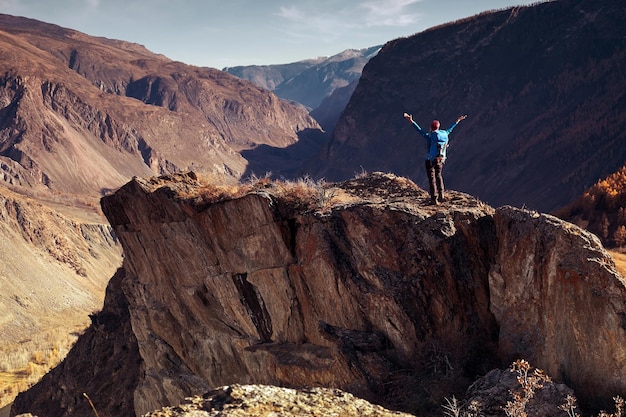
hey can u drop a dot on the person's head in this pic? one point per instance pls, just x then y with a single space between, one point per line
434 125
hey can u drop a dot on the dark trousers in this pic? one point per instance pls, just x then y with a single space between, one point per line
435 179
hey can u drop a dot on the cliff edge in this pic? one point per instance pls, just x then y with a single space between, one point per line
356 285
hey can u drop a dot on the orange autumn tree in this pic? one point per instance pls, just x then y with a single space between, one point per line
602 210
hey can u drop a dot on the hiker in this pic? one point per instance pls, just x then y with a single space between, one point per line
436 145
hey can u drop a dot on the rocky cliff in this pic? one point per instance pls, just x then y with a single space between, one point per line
357 285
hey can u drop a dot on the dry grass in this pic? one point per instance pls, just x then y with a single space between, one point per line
23 364
306 193
620 261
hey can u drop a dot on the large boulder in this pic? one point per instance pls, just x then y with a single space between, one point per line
359 286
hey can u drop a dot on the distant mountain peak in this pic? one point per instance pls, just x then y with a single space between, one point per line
308 81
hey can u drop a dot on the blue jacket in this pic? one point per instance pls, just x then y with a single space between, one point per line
433 139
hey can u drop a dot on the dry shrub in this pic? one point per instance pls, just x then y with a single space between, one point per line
619 409
620 261
213 193
304 193
453 408
214 188
23 364
530 383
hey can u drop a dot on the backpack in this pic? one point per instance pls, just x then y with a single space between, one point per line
442 144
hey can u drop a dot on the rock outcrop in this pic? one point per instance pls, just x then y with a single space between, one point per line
358 285
493 392
559 302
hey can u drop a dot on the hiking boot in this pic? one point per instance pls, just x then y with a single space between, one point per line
434 201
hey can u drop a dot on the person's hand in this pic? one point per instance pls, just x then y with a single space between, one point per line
461 118
408 117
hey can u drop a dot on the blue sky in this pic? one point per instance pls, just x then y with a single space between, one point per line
220 33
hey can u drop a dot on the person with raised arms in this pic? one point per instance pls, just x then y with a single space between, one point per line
436 149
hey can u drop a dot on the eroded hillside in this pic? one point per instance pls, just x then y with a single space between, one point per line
53 272
79 117
112 109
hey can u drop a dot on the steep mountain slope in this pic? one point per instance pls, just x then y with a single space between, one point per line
328 112
80 116
359 285
125 111
308 82
270 76
53 271
544 89
63 248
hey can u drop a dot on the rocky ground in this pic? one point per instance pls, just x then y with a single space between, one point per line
266 401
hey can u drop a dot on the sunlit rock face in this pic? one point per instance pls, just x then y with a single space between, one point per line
359 286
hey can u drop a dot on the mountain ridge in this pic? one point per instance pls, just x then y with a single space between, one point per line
213 111
545 108
308 82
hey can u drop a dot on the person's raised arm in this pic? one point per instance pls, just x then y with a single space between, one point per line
409 117
415 125
449 130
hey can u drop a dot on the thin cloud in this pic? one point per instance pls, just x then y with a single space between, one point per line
314 21
390 13
290 13
310 23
